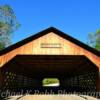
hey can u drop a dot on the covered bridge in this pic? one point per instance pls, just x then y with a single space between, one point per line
50 54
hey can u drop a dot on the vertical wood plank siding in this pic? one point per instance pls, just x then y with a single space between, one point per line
34 48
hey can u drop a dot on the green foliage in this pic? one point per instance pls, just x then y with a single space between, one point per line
1 24
94 39
50 81
91 39
98 32
97 35
2 46
97 46
8 24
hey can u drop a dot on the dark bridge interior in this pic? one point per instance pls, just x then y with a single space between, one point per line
76 73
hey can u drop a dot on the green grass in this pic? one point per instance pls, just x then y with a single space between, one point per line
47 81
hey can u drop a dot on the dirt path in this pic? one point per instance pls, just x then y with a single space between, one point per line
53 97
52 85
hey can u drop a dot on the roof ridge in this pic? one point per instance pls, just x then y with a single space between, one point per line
44 32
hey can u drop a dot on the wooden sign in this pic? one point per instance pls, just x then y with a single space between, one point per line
50 45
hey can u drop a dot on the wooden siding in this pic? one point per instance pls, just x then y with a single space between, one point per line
34 48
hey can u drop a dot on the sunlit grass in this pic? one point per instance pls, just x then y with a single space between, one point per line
50 81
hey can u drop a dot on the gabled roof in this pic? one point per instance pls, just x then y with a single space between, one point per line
44 32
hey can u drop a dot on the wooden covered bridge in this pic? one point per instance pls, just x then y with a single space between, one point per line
50 54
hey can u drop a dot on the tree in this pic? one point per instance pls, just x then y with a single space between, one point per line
1 46
8 24
97 35
94 39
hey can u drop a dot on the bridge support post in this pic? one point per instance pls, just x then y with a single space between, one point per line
98 82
